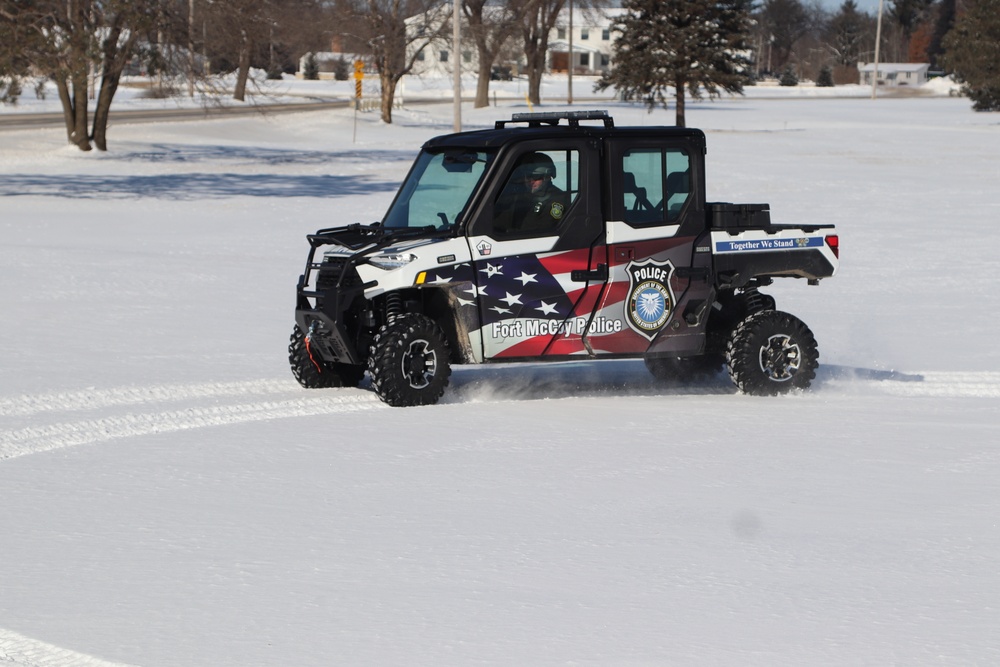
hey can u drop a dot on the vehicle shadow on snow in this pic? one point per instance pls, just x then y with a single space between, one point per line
192 186
205 185
532 382
166 153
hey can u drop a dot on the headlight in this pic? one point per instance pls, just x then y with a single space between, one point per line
393 260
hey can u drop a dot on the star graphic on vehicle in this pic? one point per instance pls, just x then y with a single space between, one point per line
501 311
512 299
476 290
491 270
527 278
547 308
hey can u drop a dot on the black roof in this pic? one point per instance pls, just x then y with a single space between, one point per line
547 126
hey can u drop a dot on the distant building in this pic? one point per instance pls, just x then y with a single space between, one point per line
593 41
894 75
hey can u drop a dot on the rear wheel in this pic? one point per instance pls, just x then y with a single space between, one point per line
771 352
409 361
312 372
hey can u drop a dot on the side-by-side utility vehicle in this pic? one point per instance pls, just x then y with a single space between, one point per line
556 236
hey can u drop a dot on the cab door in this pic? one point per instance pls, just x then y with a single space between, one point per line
659 257
540 270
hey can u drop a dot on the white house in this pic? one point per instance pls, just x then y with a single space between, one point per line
894 75
593 41
592 47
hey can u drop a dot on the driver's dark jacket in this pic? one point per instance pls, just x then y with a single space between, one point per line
524 211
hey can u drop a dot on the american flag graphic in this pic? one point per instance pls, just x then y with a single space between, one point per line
529 306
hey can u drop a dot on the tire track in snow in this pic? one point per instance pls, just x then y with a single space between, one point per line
42 438
91 399
21 651
948 384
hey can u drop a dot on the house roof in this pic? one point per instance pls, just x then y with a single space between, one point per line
895 67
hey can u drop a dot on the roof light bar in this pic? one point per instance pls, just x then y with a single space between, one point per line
553 118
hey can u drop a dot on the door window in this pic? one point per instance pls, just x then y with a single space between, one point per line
538 193
656 184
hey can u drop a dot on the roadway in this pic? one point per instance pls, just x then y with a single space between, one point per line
21 121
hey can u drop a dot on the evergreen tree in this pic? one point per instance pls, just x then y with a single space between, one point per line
341 69
311 70
825 78
909 14
943 23
692 46
789 77
972 52
845 33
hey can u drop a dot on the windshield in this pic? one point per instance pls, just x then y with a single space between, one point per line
438 189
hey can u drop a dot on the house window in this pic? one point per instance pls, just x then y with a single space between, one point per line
605 60
585 60
444 56
584 33
466 56
561 33
606 34
420 55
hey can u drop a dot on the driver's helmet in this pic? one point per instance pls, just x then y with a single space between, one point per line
536 165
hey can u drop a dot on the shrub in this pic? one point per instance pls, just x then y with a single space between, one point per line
825 78
789 77
341 69
311 71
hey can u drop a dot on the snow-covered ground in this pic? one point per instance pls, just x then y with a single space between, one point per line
140 92
171 496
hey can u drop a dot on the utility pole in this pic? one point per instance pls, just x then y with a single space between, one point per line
878 41
456 38
569 78
191 48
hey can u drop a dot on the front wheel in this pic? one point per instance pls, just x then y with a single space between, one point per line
770 353
313 372
409 361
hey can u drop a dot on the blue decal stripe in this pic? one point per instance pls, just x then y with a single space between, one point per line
756 245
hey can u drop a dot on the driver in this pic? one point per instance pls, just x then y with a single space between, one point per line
530 202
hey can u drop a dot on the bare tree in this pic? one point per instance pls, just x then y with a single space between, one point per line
786 22
239 28
539 18
491 26
396 32
65 38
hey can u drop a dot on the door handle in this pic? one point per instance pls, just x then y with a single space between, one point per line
600 274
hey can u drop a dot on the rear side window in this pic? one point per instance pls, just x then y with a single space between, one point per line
656 184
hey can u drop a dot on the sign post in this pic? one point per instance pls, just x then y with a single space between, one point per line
359 75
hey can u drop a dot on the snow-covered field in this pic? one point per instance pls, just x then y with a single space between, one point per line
171 496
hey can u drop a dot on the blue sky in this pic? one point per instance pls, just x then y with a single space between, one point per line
868 6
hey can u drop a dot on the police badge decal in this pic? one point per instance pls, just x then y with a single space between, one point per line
650 299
